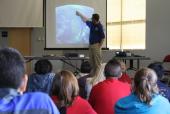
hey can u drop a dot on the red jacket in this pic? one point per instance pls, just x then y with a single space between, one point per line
125 78
105 94
79 106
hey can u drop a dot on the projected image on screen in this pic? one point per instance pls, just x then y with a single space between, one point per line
70 29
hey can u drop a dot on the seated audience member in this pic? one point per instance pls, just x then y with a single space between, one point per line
85 70
65 92
164 90
125 77
13 80
105 94
91 81
145 98
42 79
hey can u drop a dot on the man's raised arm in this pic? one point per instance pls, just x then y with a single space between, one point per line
84 18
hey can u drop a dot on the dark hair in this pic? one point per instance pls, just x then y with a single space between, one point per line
12 68
158 68
43 66
95 17
145 84
112 69
65 87
85 67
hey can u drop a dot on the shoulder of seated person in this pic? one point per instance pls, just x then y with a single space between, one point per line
38 95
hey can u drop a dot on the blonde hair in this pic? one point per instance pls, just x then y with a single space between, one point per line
145 84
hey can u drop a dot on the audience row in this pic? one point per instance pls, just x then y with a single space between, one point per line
110 92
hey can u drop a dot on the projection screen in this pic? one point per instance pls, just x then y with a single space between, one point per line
64 29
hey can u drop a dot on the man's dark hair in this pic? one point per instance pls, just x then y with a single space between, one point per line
85 67
43 66
112 69
96 17
158 68
12 68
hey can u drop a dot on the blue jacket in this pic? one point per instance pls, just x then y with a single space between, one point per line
164 90
38 82
132 105
11 102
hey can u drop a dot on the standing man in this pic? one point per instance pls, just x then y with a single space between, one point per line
96 39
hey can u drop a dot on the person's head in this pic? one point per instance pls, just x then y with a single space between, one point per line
12 69
145 84
113 69
85 67
43 66
95 18
123 66
65 87
158 68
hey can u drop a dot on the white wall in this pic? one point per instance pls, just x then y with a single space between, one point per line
157 29
21 13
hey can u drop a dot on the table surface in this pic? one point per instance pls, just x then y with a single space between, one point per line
55 58
133 58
